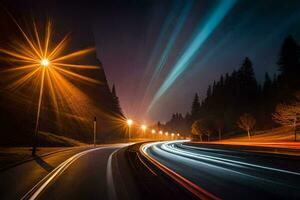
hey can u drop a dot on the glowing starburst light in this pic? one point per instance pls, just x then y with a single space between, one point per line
40 62
45 62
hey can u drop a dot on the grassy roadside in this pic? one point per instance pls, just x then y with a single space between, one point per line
59 141
278 140
281 134
12 155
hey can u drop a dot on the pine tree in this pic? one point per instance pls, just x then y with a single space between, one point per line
113 90
246 83
159 124
288 80
221 80
246 72
267 84
195 112
116 108
208 93
289 56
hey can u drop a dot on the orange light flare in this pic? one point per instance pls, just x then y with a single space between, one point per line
41 66
129 122
143 127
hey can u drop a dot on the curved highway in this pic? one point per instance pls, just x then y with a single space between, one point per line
82 173
160 170
230 173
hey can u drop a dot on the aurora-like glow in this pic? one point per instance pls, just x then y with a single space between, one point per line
179 13
192 48
162 61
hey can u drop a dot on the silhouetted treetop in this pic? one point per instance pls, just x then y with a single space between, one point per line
113 90
289 56
239 92
195 107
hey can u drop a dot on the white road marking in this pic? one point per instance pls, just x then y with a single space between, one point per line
110 179
57 171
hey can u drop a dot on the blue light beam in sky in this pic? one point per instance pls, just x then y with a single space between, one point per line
164 31
171 41
160 45
189 54
180 18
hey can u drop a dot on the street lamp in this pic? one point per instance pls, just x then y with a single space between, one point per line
153 131
129 123
43 63
40 59
144 127
95 130
160 134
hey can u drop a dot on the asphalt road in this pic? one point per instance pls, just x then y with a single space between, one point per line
231 173
89 177
17 181
80 173
106 172
112 172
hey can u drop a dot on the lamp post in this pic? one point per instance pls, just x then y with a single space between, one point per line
95 130
144 127
153 131
37 57
172 136
129 123
160 134
44 63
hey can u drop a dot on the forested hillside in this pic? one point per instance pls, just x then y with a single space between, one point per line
239 92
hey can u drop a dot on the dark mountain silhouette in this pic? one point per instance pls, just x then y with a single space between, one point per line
75 114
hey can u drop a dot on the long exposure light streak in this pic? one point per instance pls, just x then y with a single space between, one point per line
156 51
225 164
171 147
170 44
180 22
164 31
190 52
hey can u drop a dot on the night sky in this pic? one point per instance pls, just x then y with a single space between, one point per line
160 52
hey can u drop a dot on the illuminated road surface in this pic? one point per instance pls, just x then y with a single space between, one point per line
82 173
85 178
231 173
106 172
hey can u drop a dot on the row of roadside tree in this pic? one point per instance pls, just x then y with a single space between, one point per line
238 102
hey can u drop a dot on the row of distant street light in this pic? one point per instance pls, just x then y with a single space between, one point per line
144 128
